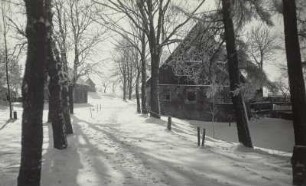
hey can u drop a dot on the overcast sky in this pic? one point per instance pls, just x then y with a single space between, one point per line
104 51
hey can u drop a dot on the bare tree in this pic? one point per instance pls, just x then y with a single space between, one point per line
137 39
61 37
137 80
154 15
54 67
6 60
76 28
261 44
144 109
126 66
14 47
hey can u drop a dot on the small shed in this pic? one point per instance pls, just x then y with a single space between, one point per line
91 85
80 93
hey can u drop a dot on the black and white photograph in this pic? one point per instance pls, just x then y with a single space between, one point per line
152 93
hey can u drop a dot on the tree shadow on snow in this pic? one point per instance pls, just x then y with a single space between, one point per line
167 171
99 158
61 167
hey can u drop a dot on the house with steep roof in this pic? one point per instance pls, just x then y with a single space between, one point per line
194 82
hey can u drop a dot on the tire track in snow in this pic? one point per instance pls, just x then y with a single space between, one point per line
125 168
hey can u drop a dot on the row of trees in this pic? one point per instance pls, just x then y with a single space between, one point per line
156 23
155 29
52 27
75 34
152 19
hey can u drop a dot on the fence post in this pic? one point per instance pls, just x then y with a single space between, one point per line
199 136
203 137
15 114
90 112
169 123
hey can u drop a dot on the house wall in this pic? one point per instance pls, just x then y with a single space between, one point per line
92 88
91 85
80 94
191 102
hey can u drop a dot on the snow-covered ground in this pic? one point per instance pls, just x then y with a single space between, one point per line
112 145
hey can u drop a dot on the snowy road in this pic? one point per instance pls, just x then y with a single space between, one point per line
112 145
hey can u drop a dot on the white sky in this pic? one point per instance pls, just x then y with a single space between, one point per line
105 50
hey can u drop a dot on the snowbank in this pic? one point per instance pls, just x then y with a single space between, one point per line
113 145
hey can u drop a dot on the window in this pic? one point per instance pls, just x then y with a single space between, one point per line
191 96
223 96
166 96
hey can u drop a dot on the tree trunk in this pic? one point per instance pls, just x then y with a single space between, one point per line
9 97
65 84
65 93
143 75
124 86
55 69
71 106
297 92
33 95
130 87
154 97
129 79
57 116
65 97
55 101
137 92
234 74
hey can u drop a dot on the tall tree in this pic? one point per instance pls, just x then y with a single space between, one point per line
154 16
143 73
33 94
84 39
55 85
61 35
234 76
137 80
137 39
261 45
297 91
6 60
125 66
